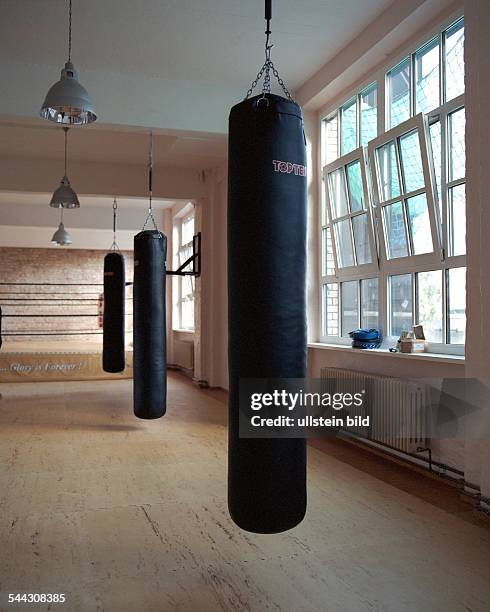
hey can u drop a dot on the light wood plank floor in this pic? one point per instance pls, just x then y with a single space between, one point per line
125 515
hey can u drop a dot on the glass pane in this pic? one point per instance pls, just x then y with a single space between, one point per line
419 223
454 59
429 304
331 138
395 237
427 77
369 303
369 114
456 145
349 127
344 243
328 264
331 309
338 195
457 212
389 183
399 91
354 180
401 304
350 307
413 172
361 239
436 148
457 305
187 229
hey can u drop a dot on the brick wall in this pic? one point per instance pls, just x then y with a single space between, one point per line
23 265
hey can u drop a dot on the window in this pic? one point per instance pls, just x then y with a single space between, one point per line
393 229
352 125
404 195
183 286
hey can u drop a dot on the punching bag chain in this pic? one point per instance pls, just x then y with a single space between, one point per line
268 65
150 187
114 246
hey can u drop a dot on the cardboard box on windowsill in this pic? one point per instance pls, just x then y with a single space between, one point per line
412 342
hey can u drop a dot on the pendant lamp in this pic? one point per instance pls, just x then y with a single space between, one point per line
61 237
65 196
67 101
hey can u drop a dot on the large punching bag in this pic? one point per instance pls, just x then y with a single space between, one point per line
149 325
113 356
266 301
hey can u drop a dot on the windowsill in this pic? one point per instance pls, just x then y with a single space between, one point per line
190 332
439 357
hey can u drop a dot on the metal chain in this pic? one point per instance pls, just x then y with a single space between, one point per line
266 71
114 245
150 187
267 67
69 33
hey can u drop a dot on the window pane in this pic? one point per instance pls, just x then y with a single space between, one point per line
395 236
413 173
331 138
337 193
457 305
399 91
328 265
331 309
349 127
429 304
419 222
436 148
401 304
456 145
427 77
389 186
344 243
354 180
350 307
370 303
454 58
361 239
187 229
457 212
369 114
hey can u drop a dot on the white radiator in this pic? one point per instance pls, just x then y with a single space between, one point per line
184 354
398 409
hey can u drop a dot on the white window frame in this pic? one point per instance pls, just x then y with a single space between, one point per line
440 259
410 262
178 249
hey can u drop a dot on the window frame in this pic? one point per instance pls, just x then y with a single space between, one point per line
410 261
442 260
178 298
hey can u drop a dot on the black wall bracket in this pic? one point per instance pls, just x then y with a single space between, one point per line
194 259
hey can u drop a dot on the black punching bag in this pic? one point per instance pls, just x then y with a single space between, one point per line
149 325
266 301
113 356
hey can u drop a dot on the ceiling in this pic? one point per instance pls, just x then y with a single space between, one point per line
207 41
39 139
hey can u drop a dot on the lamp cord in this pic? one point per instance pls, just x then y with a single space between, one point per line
65 129
69 32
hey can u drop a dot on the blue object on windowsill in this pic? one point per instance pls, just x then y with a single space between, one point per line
366 338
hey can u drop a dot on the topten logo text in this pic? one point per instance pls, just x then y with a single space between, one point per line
288 167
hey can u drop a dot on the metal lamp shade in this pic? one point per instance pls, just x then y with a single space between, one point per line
65 196
61 237
67 101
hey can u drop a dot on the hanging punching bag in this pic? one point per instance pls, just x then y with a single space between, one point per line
113 356
266 301
149 325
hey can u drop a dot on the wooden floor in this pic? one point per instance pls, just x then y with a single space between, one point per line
124 515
